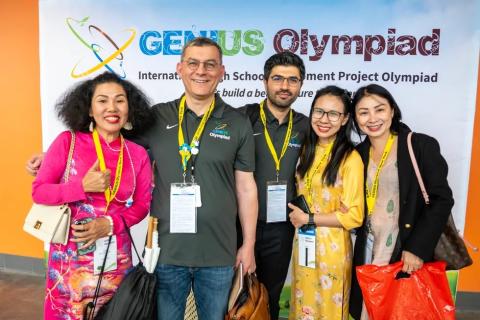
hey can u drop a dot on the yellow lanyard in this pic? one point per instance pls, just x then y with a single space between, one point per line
185 149
311 173
270 145
371 195
110 193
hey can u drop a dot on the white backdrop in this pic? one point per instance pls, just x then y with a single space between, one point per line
424 52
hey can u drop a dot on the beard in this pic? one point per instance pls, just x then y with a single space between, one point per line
281 103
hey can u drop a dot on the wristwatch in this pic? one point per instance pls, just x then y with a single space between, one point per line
310 219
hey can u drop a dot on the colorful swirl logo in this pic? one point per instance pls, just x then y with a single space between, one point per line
101 54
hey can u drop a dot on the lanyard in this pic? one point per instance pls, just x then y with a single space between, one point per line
270 145
371 195
110 193
185 149
311 173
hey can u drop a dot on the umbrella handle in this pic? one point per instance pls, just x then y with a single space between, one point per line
149 232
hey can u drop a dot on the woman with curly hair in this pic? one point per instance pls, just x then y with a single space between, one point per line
109 181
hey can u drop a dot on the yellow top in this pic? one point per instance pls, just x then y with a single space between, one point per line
347 190
322 293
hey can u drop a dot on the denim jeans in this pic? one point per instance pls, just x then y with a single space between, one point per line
211 287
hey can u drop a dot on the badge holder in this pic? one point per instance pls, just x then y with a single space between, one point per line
306 247
369 244
276 201
102 249
184 199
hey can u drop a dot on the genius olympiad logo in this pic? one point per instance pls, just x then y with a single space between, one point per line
232 42
305 43
106 50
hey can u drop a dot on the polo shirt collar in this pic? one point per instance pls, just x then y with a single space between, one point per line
217 110
270 117
219 107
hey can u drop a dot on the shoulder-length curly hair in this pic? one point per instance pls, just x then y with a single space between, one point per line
73 109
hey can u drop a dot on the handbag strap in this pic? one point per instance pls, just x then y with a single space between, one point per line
66 174
131 239
92 305
422 185
415 167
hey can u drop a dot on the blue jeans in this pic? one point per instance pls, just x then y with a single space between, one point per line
211 287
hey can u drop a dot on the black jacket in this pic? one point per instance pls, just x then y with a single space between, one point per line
420 226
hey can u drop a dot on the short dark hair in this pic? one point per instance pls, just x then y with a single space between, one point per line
342 146
202 42
73 108
381 92
285 58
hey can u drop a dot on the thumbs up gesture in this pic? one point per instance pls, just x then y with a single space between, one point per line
96 180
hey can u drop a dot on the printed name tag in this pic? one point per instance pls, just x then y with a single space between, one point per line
99 255
369 249
306 247
276 201
198 196
183 208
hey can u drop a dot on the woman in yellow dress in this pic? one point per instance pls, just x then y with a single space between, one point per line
330 177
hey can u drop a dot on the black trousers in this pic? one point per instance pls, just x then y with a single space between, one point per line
273 250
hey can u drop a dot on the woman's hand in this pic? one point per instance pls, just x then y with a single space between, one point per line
297 217
96 180
34 163
411 262
91 231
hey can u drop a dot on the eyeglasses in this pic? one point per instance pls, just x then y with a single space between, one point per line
279 80
209 65
331 115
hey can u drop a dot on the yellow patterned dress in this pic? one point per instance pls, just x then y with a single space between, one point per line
323 292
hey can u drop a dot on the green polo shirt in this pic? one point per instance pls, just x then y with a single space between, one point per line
225 146
264 163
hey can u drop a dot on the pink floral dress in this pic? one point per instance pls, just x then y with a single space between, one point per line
70 282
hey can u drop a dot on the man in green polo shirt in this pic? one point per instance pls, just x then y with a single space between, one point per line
279 133
198 192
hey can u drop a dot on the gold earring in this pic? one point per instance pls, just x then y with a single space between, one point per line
128 126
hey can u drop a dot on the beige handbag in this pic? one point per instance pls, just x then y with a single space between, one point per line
51 223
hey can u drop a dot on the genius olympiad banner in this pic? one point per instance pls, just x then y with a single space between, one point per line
424 52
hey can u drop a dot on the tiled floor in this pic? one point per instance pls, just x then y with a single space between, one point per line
21 298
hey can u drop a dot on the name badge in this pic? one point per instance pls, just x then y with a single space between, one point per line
369 249
183 207
198 196
99 255
306 247
276 201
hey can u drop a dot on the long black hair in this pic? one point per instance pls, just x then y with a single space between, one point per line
73 108
342 146
375 89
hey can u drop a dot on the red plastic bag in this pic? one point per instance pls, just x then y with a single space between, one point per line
425 295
